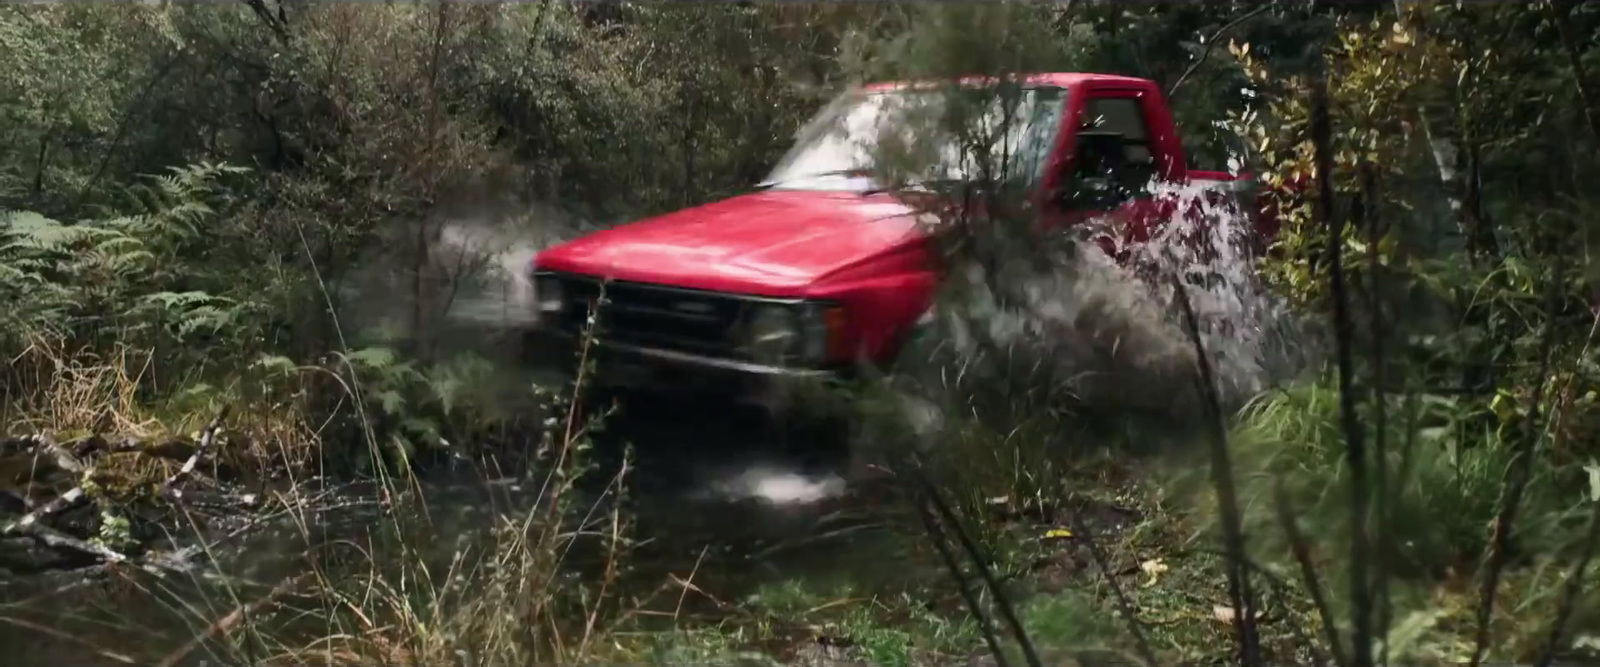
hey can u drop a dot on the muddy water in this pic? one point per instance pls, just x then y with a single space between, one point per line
708 492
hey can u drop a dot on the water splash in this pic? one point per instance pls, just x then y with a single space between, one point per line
499 292
776 486
496 292
1056 319
1254 340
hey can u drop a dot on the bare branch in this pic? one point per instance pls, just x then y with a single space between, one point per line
1517 475
1211 42
233 618
1575 61
206 441
1354 434
941 545
274 21
1369 221
979 561
1573 589
72 498
1239 590
1308 573
1125 606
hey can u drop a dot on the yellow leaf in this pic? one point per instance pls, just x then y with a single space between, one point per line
1503 406
1153 567
1057 533
1226 614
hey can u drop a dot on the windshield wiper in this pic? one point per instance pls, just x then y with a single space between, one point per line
856 171
921 184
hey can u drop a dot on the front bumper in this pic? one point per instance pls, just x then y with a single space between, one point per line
633 368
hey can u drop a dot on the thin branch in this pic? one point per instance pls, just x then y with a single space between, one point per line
1124 605
1354 434
123 124
279 27
941 544
1575 61
62 457
39 164
1239 590
1573 589
207 439
1211 42
1308 572
980 562
1521 468
66 636
1380 403
72 498
227 623
56 539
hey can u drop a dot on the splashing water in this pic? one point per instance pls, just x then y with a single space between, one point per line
1250 334
1062 317
777 487
498 293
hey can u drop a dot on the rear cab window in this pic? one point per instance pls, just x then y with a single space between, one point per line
1122 112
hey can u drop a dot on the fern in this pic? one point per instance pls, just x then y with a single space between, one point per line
375 358
141 271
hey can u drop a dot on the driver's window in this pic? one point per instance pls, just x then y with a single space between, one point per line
1124 116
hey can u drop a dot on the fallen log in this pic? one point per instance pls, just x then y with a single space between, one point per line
169 489
72 498
58 455
35 523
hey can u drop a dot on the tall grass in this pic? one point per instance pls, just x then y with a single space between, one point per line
541 585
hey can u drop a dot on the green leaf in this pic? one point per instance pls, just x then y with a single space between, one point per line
28 221
372 357
391 401
274 363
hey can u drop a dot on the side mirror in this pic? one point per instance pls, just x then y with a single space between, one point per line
1097 173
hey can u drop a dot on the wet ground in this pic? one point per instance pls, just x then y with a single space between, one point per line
712 493
716 491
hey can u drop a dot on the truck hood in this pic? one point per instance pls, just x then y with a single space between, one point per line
775 242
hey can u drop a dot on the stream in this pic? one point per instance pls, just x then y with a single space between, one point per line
707 495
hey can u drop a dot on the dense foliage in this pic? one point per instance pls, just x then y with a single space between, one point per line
244 204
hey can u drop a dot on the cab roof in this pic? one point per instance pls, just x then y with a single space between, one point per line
1061 79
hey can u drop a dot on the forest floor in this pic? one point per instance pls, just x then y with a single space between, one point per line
138 548
165 551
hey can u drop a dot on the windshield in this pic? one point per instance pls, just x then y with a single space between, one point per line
906 136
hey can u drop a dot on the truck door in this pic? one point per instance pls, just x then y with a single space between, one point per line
1111 156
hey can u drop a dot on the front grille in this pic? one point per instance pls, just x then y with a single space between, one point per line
653 316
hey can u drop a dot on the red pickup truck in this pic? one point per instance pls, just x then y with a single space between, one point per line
820 268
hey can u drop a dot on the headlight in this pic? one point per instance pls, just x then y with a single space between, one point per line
772 334
782 335
816 334
547 292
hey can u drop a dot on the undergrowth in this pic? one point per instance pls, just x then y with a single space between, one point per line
1057 414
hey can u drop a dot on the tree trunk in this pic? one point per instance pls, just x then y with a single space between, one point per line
38 170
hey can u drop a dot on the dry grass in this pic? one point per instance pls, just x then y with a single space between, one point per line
66 392
74 394
511 597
